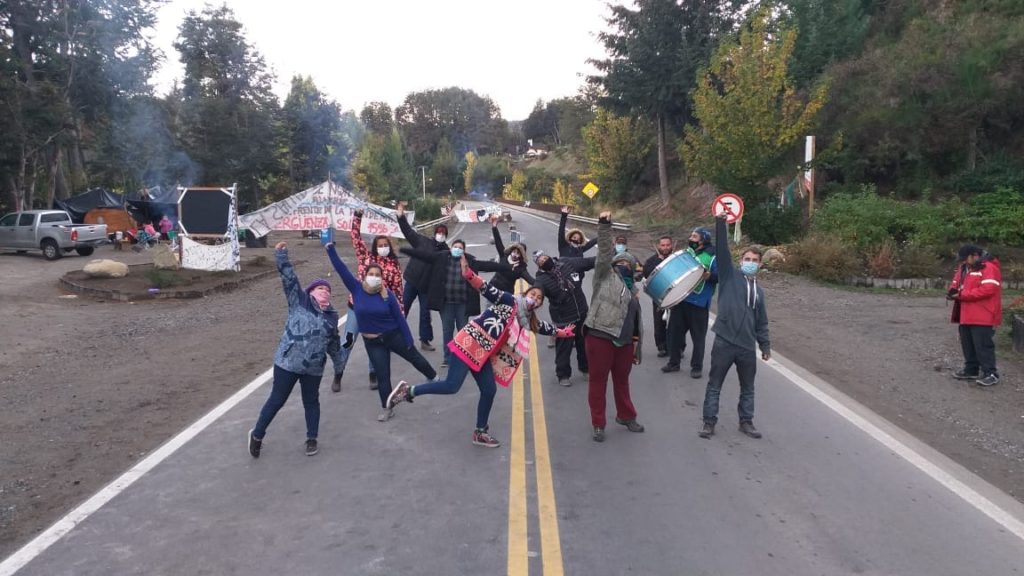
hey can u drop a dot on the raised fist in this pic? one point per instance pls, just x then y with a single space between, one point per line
358 213
281 246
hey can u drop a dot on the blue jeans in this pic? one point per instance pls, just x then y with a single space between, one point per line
453 318
284 382
340 360
411 294
723 356
379 350
456 376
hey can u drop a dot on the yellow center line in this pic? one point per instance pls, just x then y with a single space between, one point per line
551 546
518 560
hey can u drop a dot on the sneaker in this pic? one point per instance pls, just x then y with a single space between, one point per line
386 414
662 352
336 384
670 368
254 445
965 375
425 345
373 380
564 382
990 380
311 447
401 393
707 431
598 435
748 429
483 438
631 425
696 373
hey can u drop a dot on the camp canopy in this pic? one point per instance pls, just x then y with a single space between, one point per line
77 206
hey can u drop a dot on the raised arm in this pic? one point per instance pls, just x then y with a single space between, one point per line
589 244
362 255
351 282
726 271
292 291
603 262
499 245
414 238
563 244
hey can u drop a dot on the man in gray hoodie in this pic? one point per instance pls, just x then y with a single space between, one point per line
741 328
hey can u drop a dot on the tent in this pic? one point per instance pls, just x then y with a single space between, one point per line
79 205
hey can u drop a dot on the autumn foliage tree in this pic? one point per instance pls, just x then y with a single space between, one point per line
617 148
750 114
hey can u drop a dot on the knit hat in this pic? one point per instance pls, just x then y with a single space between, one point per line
536 256
704 233
969 250
625 257
318 282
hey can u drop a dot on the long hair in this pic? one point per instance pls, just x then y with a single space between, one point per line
391 253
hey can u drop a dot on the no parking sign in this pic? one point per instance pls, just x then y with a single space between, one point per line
729 204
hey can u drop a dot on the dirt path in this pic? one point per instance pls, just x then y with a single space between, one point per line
87 388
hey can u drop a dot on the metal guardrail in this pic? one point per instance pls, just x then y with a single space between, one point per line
572 217
432 223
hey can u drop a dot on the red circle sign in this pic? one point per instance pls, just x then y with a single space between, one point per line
729 204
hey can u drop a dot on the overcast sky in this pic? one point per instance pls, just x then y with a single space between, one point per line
514 51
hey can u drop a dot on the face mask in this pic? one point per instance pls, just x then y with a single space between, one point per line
530 302
383 251
620 248
576 243
513 259
440 237
456 252
749 268
373 281
548 265
693 244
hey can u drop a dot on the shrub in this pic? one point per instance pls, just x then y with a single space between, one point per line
1013 273
882 264
918 261
162 278
865 220
994 217
823 257
427 209
772 224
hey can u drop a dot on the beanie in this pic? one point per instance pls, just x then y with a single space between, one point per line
968 250
318 282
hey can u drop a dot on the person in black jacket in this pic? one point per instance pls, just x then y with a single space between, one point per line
664 249
561 279
572 244
448 292
418 272
511 262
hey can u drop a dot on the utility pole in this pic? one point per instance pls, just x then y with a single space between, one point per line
423 175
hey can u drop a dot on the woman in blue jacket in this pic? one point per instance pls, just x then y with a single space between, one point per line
383 326
310 332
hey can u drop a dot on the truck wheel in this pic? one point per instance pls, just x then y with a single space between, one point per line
50 249
85 250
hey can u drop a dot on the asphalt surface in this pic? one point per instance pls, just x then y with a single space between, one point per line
816 495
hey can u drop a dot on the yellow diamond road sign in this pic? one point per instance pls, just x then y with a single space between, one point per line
590 190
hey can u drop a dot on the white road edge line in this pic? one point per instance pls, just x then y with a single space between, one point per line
40 543
843 405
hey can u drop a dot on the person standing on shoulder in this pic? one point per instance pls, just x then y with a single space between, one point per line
662 251
614 331
741 328
310 331
418 273
560 279
491 346
976 292
693 313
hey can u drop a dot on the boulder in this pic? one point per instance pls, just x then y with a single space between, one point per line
164 258
106 269
773 256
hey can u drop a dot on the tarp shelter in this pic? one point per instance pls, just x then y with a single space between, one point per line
325 205
79 205
152 203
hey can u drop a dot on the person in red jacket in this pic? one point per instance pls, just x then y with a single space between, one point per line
976 292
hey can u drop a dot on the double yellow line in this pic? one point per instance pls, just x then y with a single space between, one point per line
547 512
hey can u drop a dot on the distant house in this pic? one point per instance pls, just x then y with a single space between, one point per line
536 153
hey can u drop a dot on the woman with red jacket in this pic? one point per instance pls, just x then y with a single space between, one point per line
382 255
976 292
492 346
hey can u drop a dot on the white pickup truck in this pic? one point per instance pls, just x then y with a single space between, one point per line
50 231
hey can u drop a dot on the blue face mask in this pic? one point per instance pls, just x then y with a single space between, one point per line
749 268
620 248
456 252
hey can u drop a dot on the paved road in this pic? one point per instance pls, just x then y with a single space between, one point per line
817 495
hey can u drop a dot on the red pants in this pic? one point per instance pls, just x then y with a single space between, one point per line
605 358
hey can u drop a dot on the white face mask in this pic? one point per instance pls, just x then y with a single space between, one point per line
383 251
373 281
512 260
440 237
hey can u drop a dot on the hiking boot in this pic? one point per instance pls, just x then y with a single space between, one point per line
401 393
990 380
311 447
564 382
696 373
631 425
336 384
748 429
670 368
598 435
425 345
386 414
254 445
373 380
707 431
662 352
965 375
483 438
